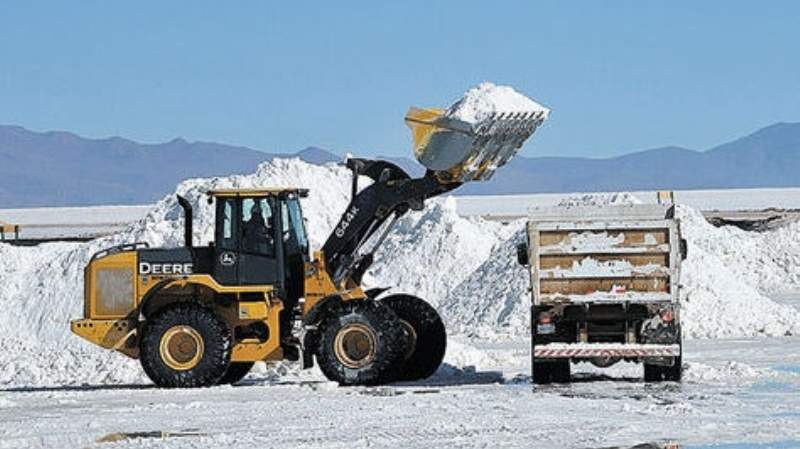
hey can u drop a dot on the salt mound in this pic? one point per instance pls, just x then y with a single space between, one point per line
719 298
493 298
481 101
430 252
732 372
768 261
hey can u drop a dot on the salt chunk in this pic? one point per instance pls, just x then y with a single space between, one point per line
486 98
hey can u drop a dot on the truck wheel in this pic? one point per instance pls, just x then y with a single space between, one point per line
427 338
657 373
360 343
236 372
674 373
549 372
184 346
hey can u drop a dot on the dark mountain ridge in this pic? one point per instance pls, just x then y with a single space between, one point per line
60 168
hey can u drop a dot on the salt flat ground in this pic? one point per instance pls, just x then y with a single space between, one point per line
743 393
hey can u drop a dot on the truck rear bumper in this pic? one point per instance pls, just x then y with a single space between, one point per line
594 350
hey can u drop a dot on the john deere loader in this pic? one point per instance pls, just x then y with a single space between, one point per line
200 316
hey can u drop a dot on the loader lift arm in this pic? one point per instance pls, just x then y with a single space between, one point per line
392 193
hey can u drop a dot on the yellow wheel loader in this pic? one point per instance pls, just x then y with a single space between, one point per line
201 316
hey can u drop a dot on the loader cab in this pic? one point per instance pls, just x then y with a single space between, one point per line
260 238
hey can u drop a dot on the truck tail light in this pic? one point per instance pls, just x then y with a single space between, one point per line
545 324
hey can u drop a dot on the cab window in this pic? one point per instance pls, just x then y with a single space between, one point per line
292 218
257 232
228 239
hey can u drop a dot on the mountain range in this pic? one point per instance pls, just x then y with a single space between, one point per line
60 168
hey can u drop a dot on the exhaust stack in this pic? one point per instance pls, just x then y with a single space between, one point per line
187 220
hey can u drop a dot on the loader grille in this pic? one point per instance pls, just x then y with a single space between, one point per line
114 291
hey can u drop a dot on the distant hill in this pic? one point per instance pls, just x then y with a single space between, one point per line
60 168
769 157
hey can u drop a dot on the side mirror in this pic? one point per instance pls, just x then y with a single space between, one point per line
684 249
522 254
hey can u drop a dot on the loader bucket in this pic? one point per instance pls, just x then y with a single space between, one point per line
465 151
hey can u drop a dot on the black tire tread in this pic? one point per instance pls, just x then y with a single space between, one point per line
391 342
217 340
551 372
236 372
431 342
657 373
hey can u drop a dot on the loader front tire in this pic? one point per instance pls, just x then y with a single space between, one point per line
361 342
236 372
184 346
426 335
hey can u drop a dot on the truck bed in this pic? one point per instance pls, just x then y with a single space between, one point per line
630 254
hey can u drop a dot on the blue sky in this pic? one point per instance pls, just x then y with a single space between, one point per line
279 76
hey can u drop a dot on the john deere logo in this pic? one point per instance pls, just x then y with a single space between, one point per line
227 259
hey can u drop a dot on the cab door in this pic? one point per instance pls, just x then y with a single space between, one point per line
227 238
259 244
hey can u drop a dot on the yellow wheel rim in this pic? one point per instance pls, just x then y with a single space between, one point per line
354 345
412 338
181 348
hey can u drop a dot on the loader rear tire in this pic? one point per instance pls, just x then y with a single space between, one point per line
427 338
184 346
360 343
236 372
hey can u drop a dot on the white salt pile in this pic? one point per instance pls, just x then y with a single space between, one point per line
726 271
430 253
467 267
486 98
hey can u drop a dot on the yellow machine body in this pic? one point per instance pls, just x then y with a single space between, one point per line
114 292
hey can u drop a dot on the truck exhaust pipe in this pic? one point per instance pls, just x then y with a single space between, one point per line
187 221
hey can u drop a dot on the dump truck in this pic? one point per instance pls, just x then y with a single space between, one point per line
605 285
197 316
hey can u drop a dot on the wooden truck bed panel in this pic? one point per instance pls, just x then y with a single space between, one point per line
585 256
